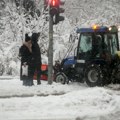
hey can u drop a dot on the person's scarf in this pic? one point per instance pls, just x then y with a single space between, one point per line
29 46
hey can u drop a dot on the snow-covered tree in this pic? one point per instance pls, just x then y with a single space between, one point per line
18 17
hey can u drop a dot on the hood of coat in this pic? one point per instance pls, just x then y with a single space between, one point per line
35 37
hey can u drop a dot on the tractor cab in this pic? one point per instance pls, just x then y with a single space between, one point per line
97 43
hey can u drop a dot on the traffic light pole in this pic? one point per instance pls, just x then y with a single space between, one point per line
50 51
54 10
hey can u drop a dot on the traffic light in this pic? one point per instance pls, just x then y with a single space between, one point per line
55 10
54 6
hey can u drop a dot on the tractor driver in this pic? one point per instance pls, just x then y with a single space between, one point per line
97 46
85 46
105 51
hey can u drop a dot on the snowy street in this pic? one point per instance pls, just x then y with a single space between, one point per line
68 40
75 101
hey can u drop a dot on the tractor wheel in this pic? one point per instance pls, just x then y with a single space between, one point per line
94 76
60 78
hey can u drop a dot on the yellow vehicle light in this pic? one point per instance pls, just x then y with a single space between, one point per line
94 27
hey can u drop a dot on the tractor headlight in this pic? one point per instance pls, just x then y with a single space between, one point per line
110 28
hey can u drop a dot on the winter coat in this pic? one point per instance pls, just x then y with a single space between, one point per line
36 49
26 54
36 54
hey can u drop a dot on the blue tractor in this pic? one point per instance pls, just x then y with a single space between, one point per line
97 60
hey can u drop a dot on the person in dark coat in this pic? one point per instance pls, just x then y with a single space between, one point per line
36 56
26 60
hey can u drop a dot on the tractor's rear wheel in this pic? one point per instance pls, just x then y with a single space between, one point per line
60 78
94 76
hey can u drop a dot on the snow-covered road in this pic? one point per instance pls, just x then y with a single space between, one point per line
74 101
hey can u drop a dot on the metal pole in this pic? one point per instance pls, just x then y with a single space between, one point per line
50 50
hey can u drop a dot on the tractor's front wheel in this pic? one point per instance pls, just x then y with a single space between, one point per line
94 76
60 78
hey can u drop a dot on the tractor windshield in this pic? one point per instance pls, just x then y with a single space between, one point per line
93 45
85 45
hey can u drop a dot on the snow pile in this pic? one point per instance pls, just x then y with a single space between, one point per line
58 102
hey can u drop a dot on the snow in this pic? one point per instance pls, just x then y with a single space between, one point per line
73 101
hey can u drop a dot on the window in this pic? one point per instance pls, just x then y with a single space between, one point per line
85 46
111 41
85 43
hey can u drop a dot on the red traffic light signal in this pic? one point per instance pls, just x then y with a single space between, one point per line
54 3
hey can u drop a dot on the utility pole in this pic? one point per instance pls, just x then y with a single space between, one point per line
50 51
